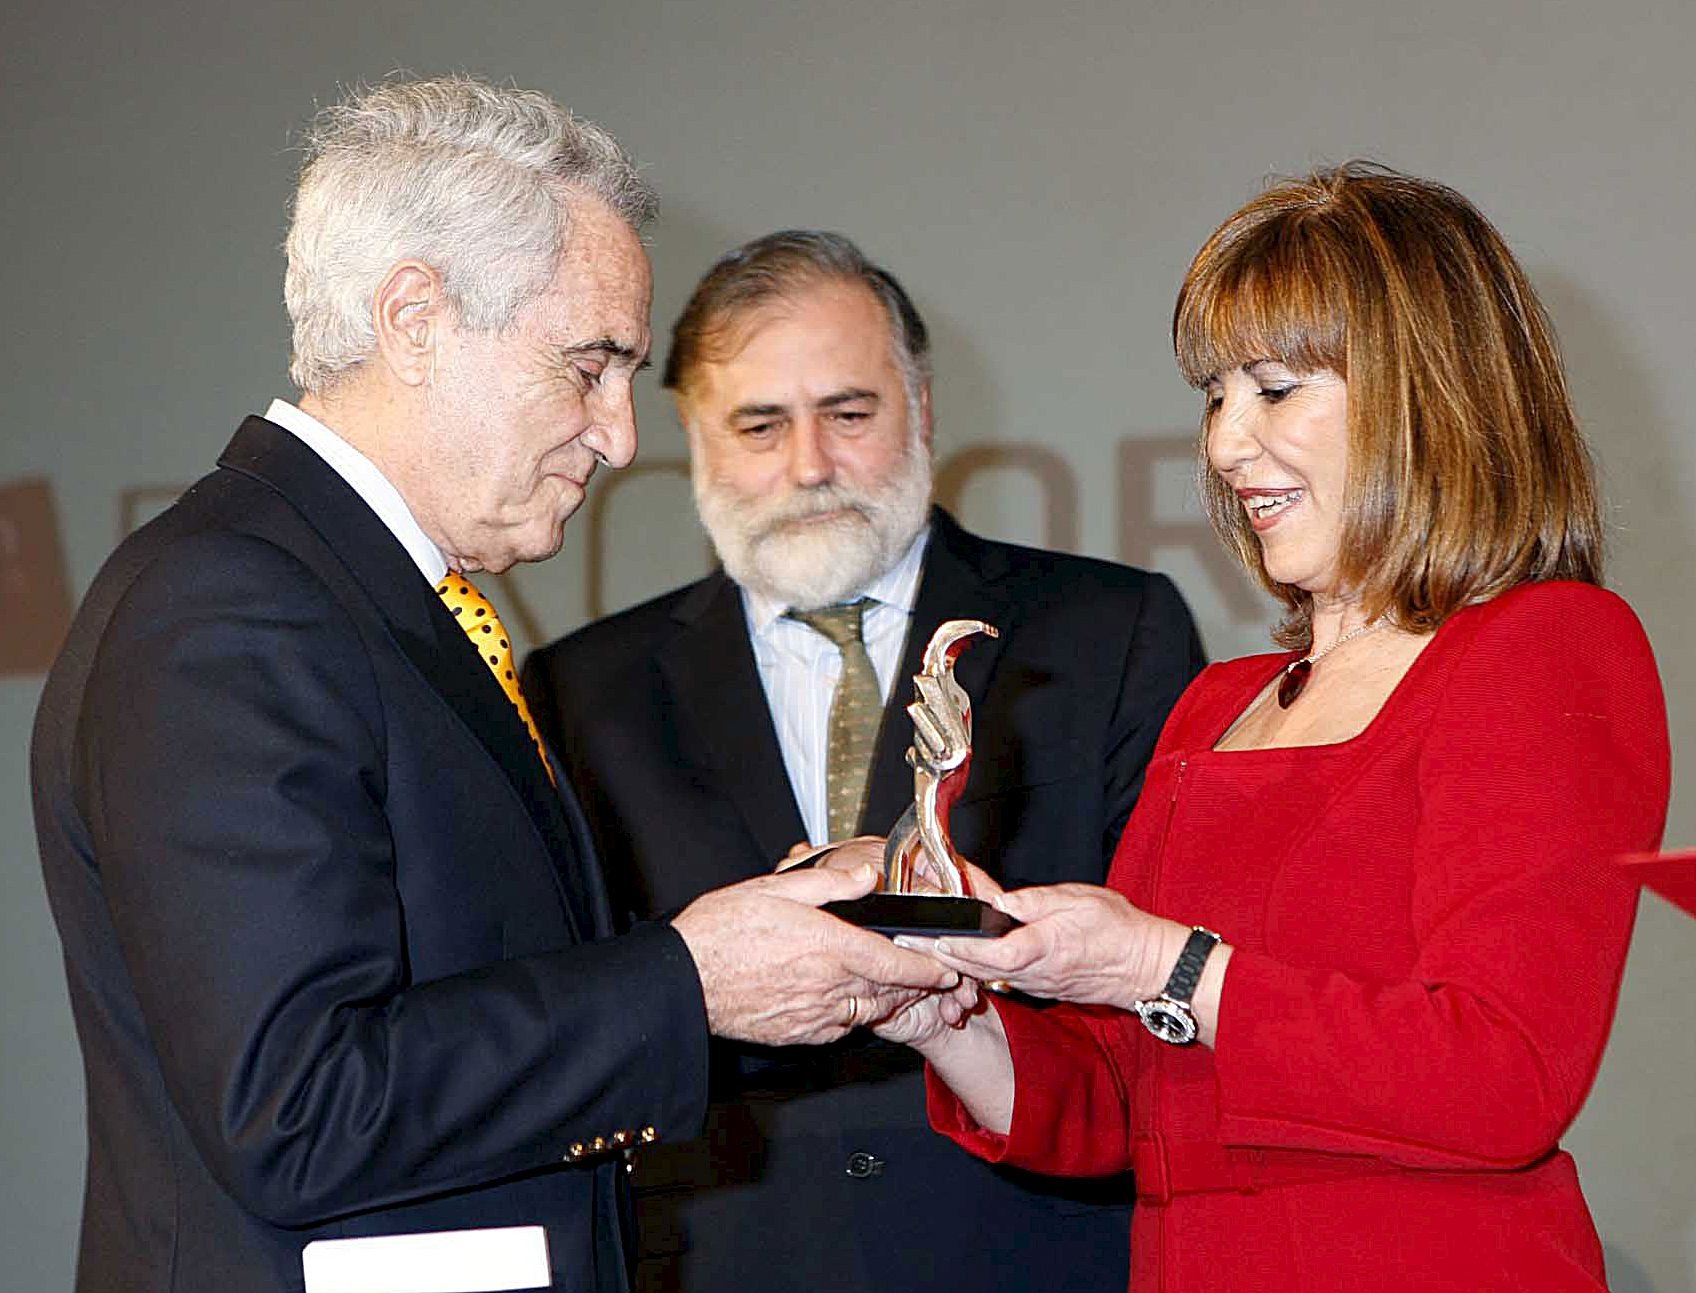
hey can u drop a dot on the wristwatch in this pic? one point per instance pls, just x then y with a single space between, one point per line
1169 1016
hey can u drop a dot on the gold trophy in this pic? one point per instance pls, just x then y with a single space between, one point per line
925 888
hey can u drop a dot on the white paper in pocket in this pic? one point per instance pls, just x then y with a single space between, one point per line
442 1261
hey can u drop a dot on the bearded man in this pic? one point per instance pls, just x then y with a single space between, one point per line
763 707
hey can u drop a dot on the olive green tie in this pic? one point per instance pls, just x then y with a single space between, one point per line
855 714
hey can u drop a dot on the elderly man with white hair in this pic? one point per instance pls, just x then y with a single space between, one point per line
352 1016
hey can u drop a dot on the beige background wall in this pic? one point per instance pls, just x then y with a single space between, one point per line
1038 175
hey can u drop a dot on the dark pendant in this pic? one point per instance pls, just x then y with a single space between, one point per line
1294 682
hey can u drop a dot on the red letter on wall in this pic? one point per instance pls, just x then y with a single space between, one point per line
33 589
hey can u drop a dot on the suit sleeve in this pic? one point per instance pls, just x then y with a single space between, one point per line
1164 657
1549 759
240 828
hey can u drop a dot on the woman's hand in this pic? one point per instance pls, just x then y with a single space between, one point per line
1079 942
965 1044
932 1019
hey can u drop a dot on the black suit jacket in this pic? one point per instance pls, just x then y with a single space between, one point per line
821 1168
329 931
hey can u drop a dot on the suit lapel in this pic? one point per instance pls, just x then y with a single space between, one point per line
423 630
723 722
958 583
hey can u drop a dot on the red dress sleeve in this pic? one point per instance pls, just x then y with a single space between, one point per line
1071 1104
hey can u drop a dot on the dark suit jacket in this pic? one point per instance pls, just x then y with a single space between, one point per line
821 1170
326 924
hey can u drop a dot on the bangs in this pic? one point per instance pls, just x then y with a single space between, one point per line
1272 294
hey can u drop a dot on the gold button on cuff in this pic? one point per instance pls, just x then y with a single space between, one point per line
621 1138
649 1135
575 1152
599 1145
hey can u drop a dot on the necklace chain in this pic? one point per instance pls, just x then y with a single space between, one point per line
1314 657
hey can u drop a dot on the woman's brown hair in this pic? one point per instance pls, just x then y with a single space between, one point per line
1467 472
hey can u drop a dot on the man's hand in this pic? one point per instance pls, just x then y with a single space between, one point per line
845 855
776 971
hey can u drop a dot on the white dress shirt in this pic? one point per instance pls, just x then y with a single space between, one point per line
799 667
364 479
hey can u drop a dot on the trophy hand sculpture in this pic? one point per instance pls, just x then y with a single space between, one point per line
941 759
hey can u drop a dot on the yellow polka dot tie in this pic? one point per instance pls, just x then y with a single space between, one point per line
856 712
476 615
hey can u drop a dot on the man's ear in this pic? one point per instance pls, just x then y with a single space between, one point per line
408 314
924 415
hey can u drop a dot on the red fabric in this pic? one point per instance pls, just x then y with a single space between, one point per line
1672 875
1428 937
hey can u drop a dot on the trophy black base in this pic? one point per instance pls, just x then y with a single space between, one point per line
924 915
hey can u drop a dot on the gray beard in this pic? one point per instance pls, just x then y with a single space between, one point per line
825 562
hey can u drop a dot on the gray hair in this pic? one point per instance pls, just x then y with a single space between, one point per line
777 266
473 179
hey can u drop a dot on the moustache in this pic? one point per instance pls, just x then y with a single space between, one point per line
776 515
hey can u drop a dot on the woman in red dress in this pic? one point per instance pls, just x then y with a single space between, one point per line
1400 828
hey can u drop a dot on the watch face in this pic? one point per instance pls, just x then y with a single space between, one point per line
1168 1021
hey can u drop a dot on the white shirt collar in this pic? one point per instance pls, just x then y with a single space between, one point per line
897 587
364 478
